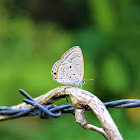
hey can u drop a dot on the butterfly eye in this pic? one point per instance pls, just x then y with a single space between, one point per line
83 82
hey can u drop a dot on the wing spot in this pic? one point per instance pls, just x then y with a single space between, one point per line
74 74
55 73
70 66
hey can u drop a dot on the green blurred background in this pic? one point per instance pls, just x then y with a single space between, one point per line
33 36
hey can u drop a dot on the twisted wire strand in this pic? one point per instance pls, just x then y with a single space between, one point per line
45 111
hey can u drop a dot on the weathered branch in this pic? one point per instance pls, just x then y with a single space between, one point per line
80 98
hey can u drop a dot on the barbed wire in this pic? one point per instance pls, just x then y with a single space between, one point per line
51 110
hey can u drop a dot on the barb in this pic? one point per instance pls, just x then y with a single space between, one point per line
44 111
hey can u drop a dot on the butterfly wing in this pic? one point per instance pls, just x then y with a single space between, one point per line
70 68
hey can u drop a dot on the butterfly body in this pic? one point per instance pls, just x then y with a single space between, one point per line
69 69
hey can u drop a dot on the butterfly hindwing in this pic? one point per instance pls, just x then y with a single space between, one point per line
63 73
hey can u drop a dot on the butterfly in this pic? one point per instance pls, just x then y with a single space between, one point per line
69 69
